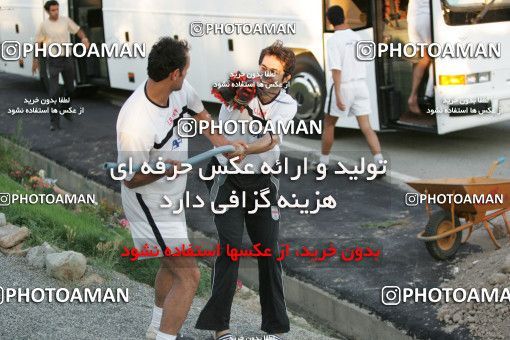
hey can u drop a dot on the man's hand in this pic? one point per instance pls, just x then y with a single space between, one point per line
85 41
340 104
35 65
240 151
176 165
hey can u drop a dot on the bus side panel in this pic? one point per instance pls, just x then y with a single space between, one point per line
497 90
146 28
211 59
19 21
141 28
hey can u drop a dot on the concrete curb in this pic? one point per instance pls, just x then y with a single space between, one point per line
342 316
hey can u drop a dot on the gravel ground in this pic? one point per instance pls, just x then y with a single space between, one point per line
489 269
47 320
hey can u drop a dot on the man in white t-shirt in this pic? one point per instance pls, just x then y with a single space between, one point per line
349 93
55 30
418 28
273 104
147 128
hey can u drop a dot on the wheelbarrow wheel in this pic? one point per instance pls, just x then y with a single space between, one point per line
445 248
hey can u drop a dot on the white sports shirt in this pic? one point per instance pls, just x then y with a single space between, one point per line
282 108
146 131
341 52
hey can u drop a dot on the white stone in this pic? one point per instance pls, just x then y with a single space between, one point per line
17 250
36 256
92 280
457 317
66 266
497 278
3 220
506 265
11 235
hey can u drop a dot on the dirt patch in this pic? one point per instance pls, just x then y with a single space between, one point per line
489 269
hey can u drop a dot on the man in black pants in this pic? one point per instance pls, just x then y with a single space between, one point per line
272 103
56 30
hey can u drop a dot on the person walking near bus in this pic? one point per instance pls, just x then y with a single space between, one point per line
55 30
418 28
348 94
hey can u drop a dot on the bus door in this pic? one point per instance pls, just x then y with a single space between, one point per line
396 76
88 14
358 14
476 91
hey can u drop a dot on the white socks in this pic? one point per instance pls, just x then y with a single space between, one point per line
157 313
324 159
378 159
163 336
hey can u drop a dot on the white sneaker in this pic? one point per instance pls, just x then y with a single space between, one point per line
226 336
151 333
313 166
272 337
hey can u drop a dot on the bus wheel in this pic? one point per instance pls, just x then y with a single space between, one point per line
308 88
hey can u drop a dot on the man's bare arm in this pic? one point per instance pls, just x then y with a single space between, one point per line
267 142
83 38
218 139
215 139
337 76
35 61
140 179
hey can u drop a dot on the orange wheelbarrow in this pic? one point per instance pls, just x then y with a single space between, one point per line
474 199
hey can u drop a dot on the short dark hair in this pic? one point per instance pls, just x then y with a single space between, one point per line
50 3
335 15
167 55
284 54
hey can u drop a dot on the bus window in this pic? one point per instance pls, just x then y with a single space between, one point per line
468 12
356 13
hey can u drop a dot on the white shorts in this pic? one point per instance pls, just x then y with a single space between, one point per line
354 96
153 225
418 29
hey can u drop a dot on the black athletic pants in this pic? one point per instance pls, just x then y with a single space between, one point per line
57 65
262 227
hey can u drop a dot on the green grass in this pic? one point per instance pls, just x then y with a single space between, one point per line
81 231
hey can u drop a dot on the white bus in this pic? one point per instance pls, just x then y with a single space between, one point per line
215 56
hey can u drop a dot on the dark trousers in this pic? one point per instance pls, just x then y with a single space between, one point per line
64 65
262 228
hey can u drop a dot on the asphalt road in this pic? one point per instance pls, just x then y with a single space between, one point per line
424 155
